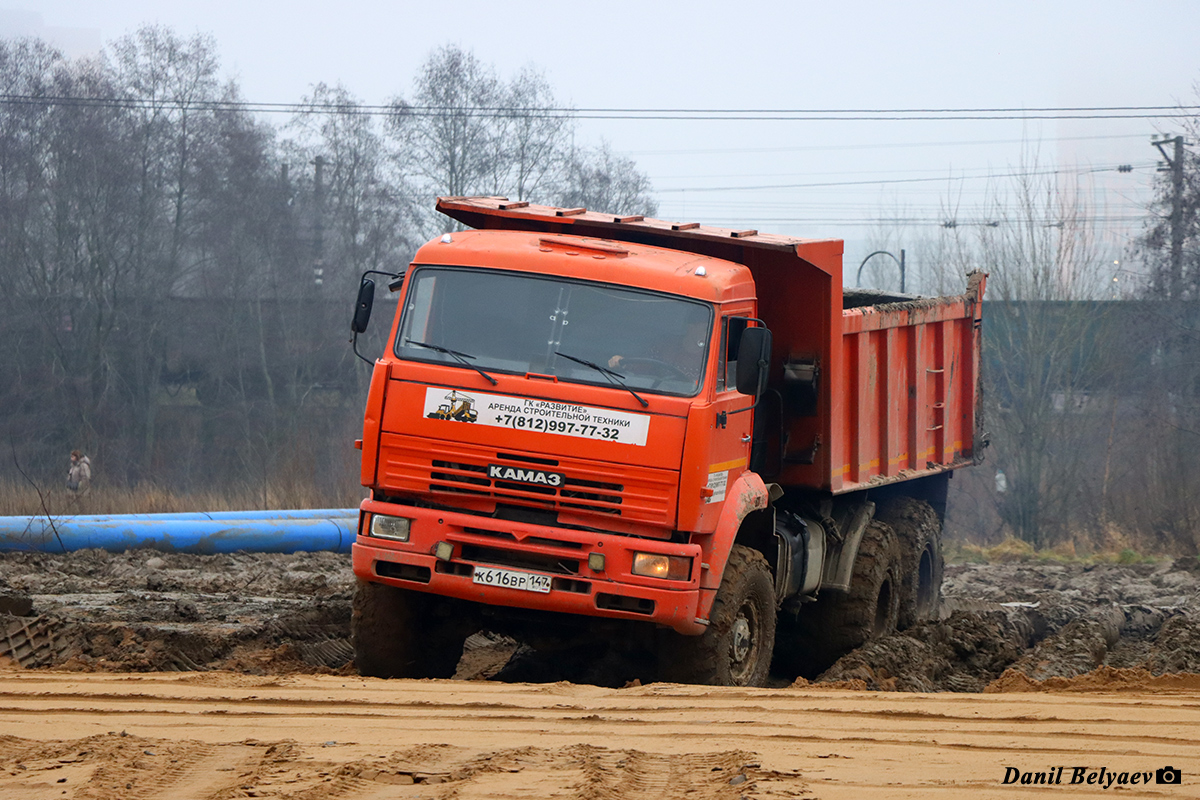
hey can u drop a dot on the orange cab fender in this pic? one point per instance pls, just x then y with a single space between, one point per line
747 494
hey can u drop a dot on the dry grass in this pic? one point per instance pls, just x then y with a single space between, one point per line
1013 550
24 500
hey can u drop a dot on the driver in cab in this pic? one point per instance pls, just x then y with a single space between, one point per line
684 353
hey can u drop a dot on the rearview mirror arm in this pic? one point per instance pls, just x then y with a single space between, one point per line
354 345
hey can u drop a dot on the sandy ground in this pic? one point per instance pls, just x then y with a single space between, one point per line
223 735
142 675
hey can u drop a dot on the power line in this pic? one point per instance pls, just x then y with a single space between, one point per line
947 178
649 114
941 170
864 211
931 222
872 146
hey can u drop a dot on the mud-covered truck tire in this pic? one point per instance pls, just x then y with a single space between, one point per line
394 638
841 621
736 648
919 535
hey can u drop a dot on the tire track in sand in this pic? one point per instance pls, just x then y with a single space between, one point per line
319 737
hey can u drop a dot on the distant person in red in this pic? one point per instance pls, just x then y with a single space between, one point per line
79 477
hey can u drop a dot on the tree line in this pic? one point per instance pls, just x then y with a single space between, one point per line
1091 378
177 273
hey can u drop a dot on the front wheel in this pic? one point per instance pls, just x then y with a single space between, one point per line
736 648
396 635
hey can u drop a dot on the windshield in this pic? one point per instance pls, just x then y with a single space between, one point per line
510 322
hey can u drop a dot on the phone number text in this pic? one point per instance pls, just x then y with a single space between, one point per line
558 426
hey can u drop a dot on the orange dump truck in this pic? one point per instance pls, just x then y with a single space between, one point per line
671 438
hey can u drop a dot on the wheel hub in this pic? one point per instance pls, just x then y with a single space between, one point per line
743 639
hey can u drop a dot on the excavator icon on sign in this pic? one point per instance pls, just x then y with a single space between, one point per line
457 407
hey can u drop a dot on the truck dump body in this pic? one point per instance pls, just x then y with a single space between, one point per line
858 397
908 375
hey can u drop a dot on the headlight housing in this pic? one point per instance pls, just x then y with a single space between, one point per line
655 565
394 528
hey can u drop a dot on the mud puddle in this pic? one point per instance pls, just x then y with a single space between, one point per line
1029 624
139 611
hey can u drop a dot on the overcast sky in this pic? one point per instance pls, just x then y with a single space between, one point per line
748 55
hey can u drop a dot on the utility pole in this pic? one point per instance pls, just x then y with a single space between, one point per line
1174 165
319 222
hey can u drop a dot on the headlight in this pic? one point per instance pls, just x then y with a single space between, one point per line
395 528
652 565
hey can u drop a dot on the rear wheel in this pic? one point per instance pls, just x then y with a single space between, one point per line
919 534
736 648
396 635
841 621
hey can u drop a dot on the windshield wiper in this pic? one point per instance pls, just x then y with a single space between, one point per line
460 356
615 378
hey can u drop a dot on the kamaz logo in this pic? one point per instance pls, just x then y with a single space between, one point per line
524 475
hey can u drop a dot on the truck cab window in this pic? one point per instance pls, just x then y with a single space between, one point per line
731 338
518 323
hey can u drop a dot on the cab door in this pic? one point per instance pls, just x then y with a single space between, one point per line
729 443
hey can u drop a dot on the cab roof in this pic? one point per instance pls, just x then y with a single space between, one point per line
749 247
594 259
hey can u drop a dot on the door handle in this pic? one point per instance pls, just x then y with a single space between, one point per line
746 438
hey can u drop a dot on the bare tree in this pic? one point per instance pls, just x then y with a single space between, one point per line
1044 348
368 209
602 180
466 131
536 134
158 299
171 133
447 135
32 305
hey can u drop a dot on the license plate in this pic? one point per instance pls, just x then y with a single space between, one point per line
511 579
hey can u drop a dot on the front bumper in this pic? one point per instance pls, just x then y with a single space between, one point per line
560 553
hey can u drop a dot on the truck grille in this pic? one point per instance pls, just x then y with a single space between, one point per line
450 476
631 492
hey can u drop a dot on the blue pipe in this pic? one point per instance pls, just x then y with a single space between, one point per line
294 513
180 536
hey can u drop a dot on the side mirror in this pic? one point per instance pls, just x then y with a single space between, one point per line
362 310
754 361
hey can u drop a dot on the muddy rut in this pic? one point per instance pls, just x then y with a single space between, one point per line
286 614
